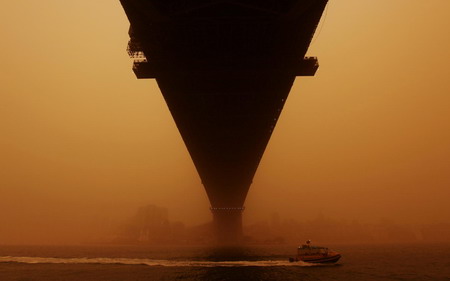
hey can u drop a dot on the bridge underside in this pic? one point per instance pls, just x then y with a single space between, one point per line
225 69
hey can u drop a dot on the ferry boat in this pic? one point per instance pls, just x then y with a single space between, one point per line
315 254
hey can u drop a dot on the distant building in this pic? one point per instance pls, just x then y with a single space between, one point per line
150 224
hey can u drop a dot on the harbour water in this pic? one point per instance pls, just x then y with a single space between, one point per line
85 263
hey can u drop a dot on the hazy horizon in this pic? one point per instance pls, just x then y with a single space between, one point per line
84 143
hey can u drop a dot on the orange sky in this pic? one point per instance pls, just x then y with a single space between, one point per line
84 143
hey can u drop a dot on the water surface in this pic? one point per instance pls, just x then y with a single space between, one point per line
84 263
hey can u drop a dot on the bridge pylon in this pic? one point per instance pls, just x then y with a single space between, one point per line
225 69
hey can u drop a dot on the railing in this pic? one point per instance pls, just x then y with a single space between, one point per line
134 49
227 209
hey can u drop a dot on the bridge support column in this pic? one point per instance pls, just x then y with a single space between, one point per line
228 224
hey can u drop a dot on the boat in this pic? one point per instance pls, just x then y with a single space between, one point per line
315 254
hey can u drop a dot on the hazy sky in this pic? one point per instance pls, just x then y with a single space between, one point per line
83 143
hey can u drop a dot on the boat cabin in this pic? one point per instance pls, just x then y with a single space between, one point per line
308 250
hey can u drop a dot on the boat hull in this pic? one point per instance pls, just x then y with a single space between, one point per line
317 259
328 259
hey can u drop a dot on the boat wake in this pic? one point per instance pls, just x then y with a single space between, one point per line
151 262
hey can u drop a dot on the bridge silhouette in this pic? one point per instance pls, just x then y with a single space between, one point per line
225 69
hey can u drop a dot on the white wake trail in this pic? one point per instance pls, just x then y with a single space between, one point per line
150 262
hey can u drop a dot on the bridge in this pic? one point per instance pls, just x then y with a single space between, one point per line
225 69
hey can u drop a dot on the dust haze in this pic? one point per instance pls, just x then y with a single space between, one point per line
84 144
